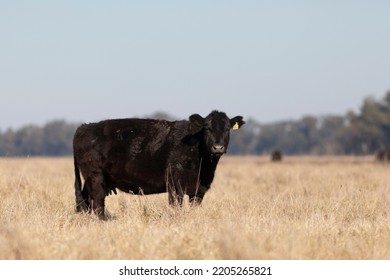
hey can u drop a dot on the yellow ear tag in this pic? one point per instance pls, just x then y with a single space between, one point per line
236 126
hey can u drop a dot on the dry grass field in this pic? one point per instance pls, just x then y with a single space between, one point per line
301 208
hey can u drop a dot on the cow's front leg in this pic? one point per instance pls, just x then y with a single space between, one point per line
196 197
176 194
174 186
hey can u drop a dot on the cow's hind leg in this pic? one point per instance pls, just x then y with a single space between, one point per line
97 195
85 203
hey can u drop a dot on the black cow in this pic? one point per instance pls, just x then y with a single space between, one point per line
146 156
276 156
383 156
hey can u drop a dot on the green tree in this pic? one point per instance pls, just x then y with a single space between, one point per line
7 143
28 141
57 138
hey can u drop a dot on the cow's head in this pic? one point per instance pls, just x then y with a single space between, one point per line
215 131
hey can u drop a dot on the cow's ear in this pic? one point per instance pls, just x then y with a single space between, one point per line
197 121
196 125
236 122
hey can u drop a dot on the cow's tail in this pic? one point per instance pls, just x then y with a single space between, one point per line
77 185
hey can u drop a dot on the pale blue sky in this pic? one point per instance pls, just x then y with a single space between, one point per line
268 60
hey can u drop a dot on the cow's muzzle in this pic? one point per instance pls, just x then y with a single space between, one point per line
218 149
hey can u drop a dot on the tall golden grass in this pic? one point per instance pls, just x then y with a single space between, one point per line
301 208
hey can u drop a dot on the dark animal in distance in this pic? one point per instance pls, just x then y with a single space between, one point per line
147 156
383 156
276 156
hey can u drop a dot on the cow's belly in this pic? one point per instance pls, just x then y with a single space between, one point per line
141 188
137 180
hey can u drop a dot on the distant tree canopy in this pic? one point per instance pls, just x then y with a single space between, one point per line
365 132
53 139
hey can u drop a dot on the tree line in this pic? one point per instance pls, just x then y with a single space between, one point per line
53 139
355 133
